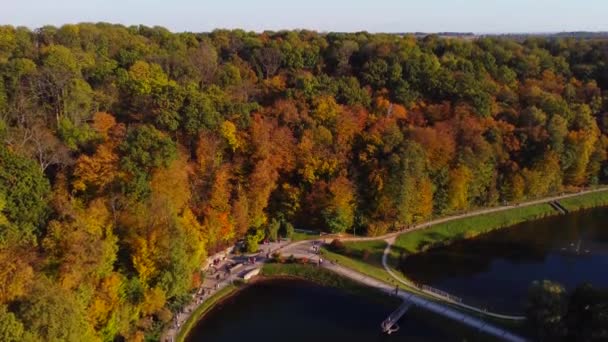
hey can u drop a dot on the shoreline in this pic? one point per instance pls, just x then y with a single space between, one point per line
290 272
201 311
284 274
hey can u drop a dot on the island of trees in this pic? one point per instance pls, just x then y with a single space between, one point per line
129 154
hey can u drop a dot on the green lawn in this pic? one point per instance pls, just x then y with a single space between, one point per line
299 236
203 309
592 200
372 266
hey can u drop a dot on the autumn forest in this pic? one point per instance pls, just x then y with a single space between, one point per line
130 154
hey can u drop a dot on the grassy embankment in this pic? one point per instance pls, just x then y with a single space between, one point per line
364 257
466 228
586 201
324 277
205 307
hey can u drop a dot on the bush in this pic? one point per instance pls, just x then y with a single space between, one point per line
252 240
272 230
288 229
251 244
469 234
164 315
278 258
377 228
337 246
365 254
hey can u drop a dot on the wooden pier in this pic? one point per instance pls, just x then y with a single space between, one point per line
389 325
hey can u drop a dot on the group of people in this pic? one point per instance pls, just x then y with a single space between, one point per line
316 247
215 263
199 296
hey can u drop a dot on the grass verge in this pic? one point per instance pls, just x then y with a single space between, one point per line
364 257
205 307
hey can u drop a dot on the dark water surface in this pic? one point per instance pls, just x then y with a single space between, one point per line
496 269
294 311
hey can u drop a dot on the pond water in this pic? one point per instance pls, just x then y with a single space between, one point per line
495 270
294 311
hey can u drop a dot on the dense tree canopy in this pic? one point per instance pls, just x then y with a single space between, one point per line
129 154
554 315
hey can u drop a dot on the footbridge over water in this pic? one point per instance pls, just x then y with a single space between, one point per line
389 325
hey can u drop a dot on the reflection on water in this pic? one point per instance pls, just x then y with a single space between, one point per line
495 270
293 311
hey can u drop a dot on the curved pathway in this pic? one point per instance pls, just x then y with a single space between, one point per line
389 243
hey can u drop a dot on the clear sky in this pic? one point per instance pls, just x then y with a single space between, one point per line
480 16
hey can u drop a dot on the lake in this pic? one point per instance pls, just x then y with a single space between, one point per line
294 311
495 270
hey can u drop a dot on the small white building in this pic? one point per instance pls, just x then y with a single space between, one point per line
251 274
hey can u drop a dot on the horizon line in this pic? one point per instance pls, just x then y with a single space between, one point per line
259 31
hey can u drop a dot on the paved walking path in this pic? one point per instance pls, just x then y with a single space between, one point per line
389 243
